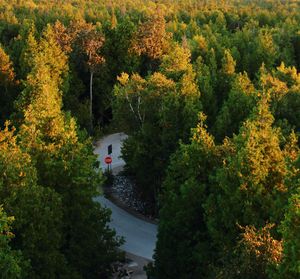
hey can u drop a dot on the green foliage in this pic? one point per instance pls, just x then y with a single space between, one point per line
10 260
250 186
58 222
38 229
256 255
212 192
290 266
236 108
165 61
37 210
151 38
205 76
182 217
164 104
8 86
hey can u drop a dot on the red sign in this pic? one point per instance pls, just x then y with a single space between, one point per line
108 160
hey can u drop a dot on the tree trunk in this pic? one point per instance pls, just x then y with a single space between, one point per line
91 102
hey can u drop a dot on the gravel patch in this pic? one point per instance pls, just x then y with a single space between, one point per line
123 188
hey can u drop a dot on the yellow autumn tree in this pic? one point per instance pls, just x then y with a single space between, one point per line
65 163
8 85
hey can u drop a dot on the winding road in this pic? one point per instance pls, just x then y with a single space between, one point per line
140 236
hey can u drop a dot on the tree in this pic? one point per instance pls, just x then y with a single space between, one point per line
7 86
246 175
227 74
10 260
176 63
205 77
250 188
37 210
65 164
228 63
91 47
284 86
139 97
7 74
64 36
118 59
256 255
290 266
184 248
237 108
91 42
41 239
164 104
29 49
152 39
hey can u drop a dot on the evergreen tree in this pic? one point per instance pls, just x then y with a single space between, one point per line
29 49
225 79
38 210
10 260
236 108
7 86
65 163
250 188
289 228
290 266
205 76
184 248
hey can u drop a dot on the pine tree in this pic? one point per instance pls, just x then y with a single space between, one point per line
237 108
289 227
205 77
250 188
37 210
184 248
10 260
227 74
29 49
65 163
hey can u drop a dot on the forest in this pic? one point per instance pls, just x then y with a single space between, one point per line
208 92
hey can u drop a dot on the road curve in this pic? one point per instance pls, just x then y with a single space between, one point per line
140 236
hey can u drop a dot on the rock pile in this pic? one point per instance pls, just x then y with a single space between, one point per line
123 187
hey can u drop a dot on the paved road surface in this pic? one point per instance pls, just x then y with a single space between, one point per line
140 236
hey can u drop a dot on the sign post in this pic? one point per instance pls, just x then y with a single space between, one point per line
108 161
